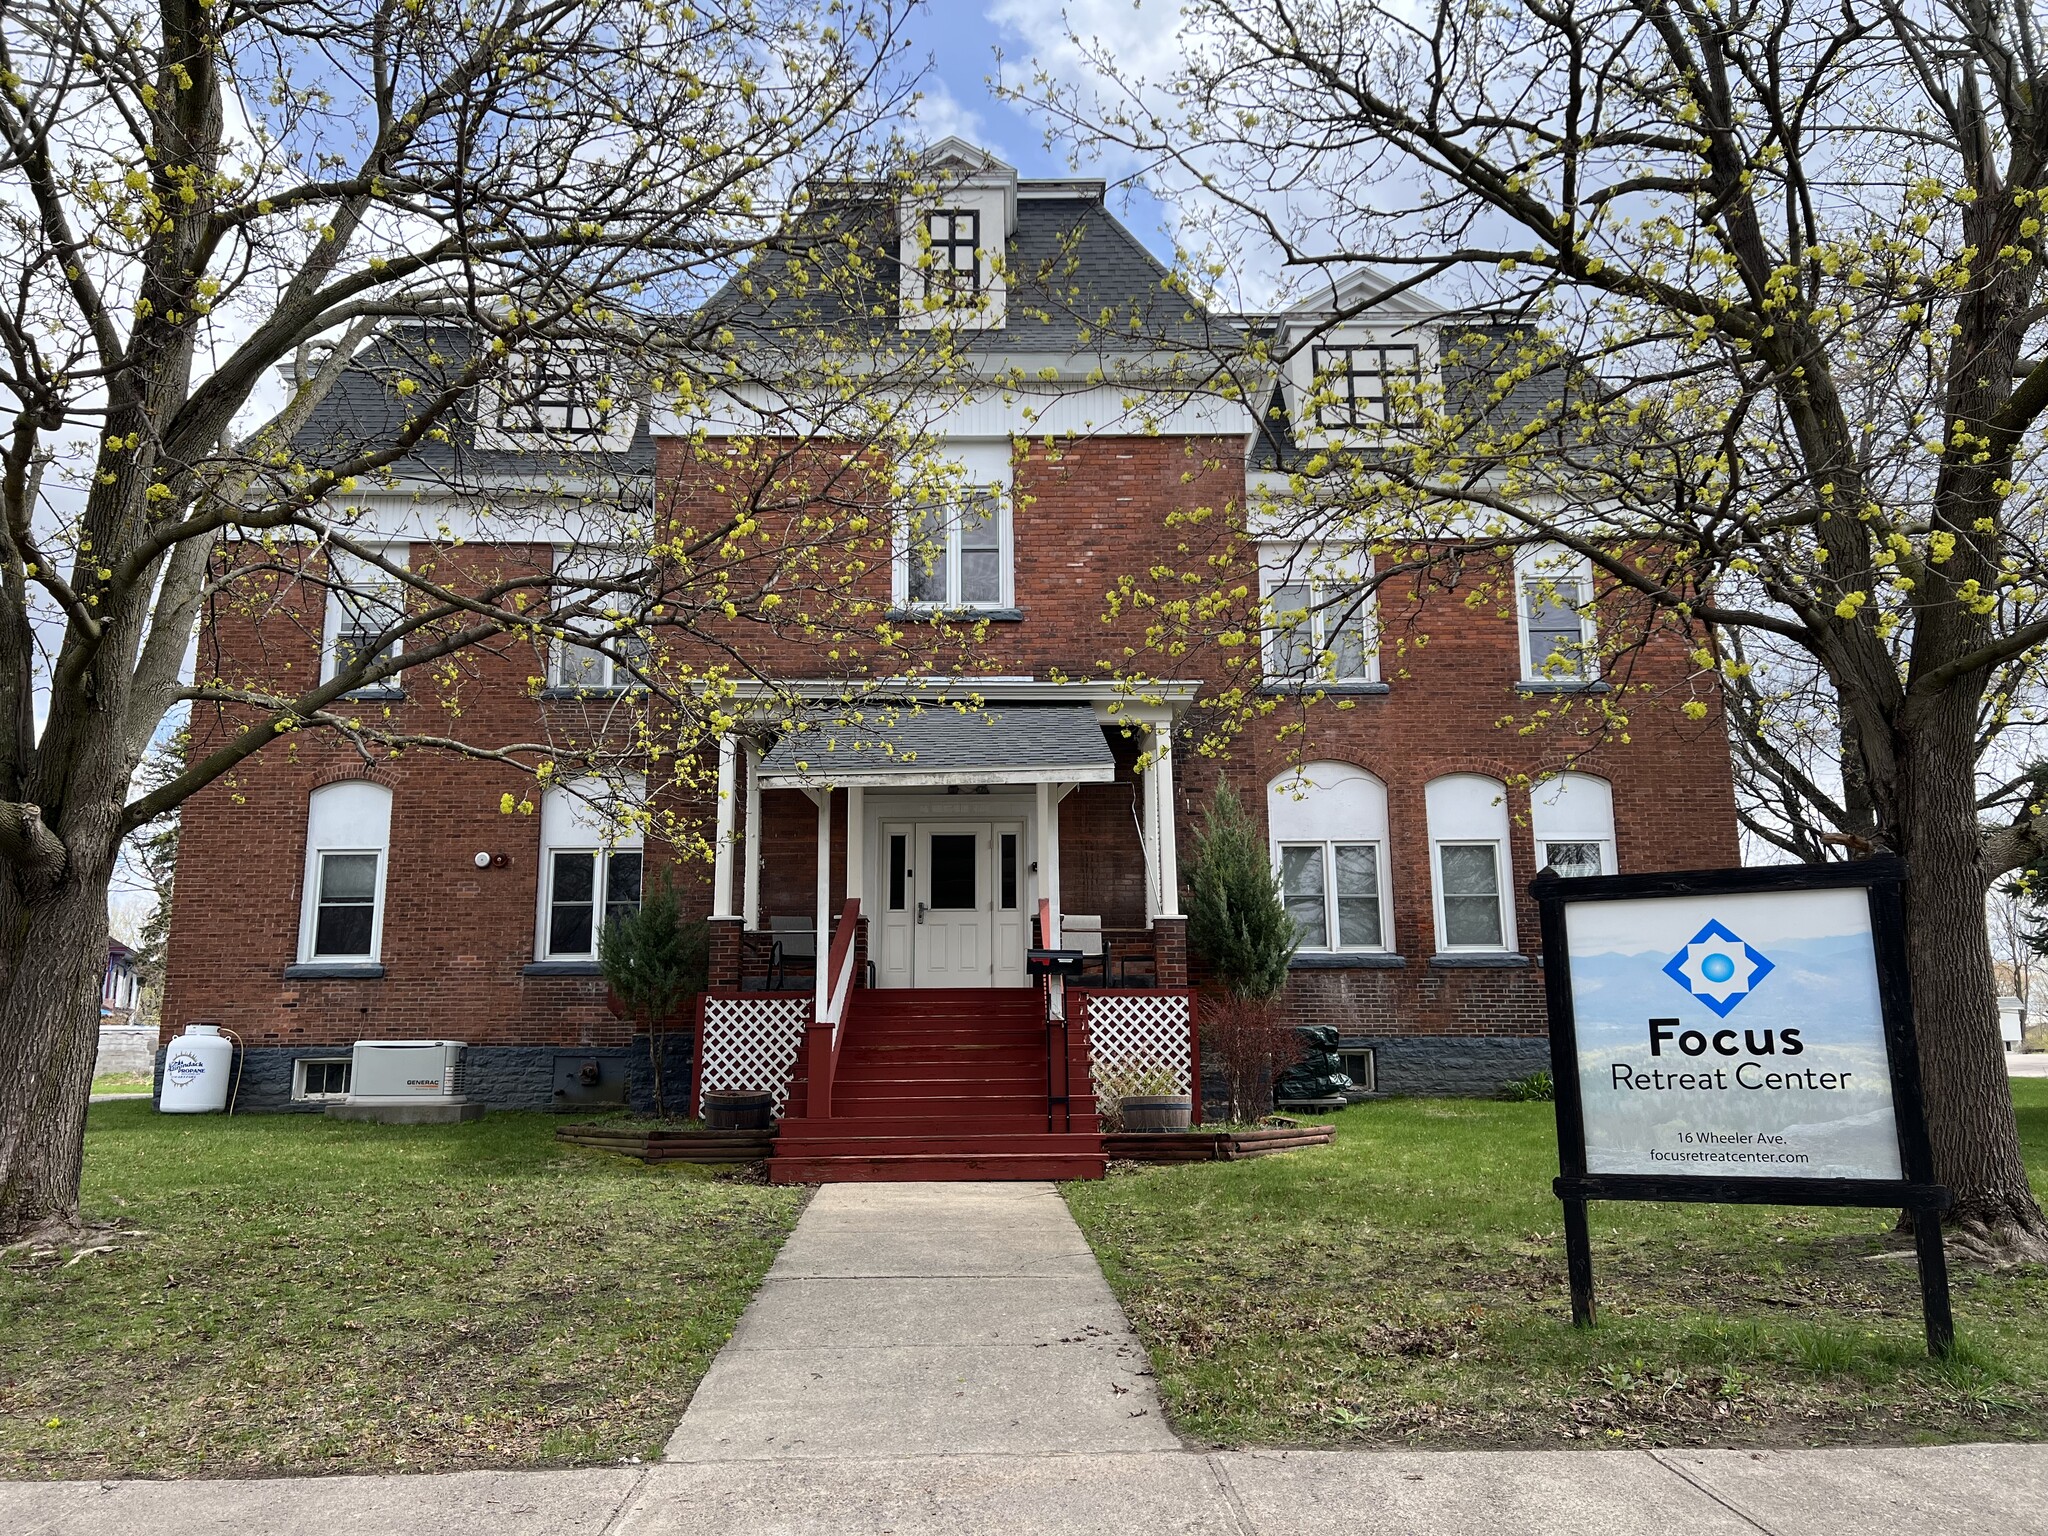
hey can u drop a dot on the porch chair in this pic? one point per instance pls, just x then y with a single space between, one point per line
1085 934
796 944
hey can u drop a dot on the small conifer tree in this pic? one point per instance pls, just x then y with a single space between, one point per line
653 961
1236 920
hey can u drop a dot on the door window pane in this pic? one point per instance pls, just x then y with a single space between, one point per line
1007 899
1572 859
345 921
952 871
1358 896
899 870
572 902
1470 873
1301 890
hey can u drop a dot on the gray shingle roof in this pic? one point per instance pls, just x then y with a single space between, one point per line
1022 744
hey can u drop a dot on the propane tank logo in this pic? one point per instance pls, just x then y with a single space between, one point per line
184 1069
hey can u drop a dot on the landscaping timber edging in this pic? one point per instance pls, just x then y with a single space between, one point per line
673 1146
1212 1146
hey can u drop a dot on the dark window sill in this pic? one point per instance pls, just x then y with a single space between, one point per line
1288 689
592 693
1374 961
375 696
1560 685
562 968
955 615
334 970
1481 962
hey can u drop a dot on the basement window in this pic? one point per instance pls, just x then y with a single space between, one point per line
1357 1065
317 1078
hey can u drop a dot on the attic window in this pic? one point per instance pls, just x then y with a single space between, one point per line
1356 384
563 392
955 269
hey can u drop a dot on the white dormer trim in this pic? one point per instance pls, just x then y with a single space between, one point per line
1357 309
958 217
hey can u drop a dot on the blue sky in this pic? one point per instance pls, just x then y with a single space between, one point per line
962 37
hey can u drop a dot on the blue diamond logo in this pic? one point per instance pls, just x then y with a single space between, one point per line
1718 968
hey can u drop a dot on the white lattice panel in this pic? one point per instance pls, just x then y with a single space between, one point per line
752 1042
1142 1029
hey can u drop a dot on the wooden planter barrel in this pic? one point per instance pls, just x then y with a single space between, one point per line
736 1109
1156 1112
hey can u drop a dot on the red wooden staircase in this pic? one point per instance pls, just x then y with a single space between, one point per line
937 1085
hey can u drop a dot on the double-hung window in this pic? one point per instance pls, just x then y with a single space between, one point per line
1468 838
365 601
606 648
953 273
955 551
1573 821
1321 620
1553 600
591 865
348 841
1365 384
1328 824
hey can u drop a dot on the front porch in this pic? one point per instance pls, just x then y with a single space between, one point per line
932 848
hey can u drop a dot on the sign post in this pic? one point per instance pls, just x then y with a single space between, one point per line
1740 1036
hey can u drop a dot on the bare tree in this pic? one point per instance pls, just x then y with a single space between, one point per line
426 207
1779 262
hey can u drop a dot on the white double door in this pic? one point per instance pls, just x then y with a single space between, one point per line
952 904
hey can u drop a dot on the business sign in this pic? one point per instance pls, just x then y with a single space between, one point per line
1737 1035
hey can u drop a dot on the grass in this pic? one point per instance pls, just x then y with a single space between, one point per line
1406 1286
316 1295
124 1082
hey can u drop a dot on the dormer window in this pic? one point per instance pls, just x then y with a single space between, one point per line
1366 384
563 393
954 273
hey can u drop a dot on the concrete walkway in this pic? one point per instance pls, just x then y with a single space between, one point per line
946 1360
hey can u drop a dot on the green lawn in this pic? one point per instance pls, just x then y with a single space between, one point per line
325 1296
124 1082
1406 1286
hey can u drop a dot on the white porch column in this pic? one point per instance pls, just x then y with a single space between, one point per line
1165 832
856 843
721 853
1048 860
822 985
750 880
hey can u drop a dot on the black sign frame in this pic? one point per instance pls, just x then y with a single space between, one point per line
1882 879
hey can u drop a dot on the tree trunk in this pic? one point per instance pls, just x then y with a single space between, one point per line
51 968
1948 956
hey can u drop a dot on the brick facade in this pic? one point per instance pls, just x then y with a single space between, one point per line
458 939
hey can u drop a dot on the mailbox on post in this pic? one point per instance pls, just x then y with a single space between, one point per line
1052 962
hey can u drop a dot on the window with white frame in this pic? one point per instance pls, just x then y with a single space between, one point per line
1572 816
1553 602
318 1078
348 845
953 540
364 601
1327 823
1470 863
561 390
1366 383
1321 620
590 865
609 611
953 237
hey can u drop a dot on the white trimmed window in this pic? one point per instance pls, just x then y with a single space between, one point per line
321 1078
1473 874
567 392
593 580
364 601
1321 622
348 844
1361 384
953 237
1554 608
1572 816
953 541
590 866
1327 824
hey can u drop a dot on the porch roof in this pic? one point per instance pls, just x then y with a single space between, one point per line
937 744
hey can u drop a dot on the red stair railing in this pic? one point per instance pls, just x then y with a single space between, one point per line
825 1036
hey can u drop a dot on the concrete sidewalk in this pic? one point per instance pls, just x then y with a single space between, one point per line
928 1359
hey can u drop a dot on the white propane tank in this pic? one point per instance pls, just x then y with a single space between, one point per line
196 1070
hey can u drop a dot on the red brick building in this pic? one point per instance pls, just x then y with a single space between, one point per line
1453 747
